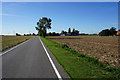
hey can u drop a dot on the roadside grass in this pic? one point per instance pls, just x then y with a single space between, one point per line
79 65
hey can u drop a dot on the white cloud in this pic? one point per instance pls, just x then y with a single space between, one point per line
7 15
11 15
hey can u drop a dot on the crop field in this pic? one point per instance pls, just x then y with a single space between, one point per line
10 41
105 49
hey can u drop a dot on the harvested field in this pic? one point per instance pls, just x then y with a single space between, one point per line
105 49
10 41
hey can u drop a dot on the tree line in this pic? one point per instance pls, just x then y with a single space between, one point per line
108 32
33 34
45 23
74 32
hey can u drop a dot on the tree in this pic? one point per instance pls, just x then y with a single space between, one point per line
113 31
76 32
18 34
105 32
49 34
43 25
33 34
69 30
63 32
73 31
108 32
53 34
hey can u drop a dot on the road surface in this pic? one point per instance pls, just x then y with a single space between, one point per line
29 60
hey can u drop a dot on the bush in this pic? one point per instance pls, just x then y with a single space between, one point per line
105 32
73 51
81 55
109 68
112 69
64 46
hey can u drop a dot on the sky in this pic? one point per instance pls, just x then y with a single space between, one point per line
87 17
60 0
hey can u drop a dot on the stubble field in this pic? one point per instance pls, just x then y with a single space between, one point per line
105 49
10 41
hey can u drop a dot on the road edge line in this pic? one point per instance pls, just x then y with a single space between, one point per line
53 65
13 47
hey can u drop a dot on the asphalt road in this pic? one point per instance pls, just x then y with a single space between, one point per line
30 60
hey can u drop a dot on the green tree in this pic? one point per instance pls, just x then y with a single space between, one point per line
105 32
43 25
113 31
63 32
49 34
69 30
33 34
73 31
76 32
17 34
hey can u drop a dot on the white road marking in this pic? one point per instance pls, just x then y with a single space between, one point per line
53 65
13 47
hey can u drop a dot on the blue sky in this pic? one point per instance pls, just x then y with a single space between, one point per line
60 0
87 17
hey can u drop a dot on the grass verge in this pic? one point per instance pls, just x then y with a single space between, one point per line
80 66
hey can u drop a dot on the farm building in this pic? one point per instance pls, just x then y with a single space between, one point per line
62 34
118 33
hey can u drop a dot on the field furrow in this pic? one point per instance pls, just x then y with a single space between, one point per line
105 49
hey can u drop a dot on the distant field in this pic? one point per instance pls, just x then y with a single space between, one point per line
105 49
10 41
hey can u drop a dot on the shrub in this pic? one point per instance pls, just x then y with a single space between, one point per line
64 46
109 68
73 51
81 55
